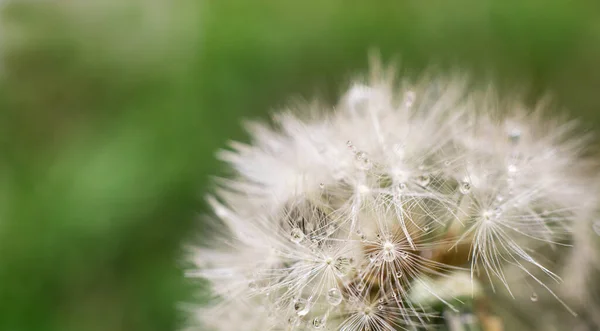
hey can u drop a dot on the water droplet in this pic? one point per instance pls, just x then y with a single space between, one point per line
514 135
596 227
398 275
512 169
380 307
409 99
426 228
362 161
318 322
404 255
423 180
401 187
447 163
321 186
534 297
465 187
360 285
394 294
342 266
334 296
297 235
301 307
372 257
293 321
389 256
252 285
498 211
487 216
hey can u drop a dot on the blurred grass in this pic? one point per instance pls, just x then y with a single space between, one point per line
111 112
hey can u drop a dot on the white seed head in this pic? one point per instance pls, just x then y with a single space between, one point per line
358 218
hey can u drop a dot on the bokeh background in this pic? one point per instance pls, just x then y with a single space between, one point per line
111 111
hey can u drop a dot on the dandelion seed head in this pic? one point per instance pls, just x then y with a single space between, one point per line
360 218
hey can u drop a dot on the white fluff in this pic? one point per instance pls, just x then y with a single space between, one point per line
335 217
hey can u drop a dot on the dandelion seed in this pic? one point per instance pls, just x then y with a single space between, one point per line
425 206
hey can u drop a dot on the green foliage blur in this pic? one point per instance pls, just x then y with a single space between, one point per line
111 111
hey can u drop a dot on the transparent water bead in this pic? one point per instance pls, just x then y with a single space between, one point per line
465 187
360 285
423 180
362 161
318 322
534 297
399 274
334 296
514 135
297 235
409 99
301 307
389 254
293 321
252 285
343 266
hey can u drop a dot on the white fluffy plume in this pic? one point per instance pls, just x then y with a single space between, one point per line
363 217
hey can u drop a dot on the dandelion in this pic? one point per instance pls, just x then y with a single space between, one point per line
374 215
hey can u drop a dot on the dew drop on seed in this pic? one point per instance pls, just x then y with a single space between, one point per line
389 256
498 211
409 99
423 180
426 228
401 187
252 286
534 297
398 275
318 322
362 161
465 187
372 257
334 296
297 235
380 307
301 307
293 321
514 135
360 285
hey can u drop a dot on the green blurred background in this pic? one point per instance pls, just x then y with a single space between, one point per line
111 111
